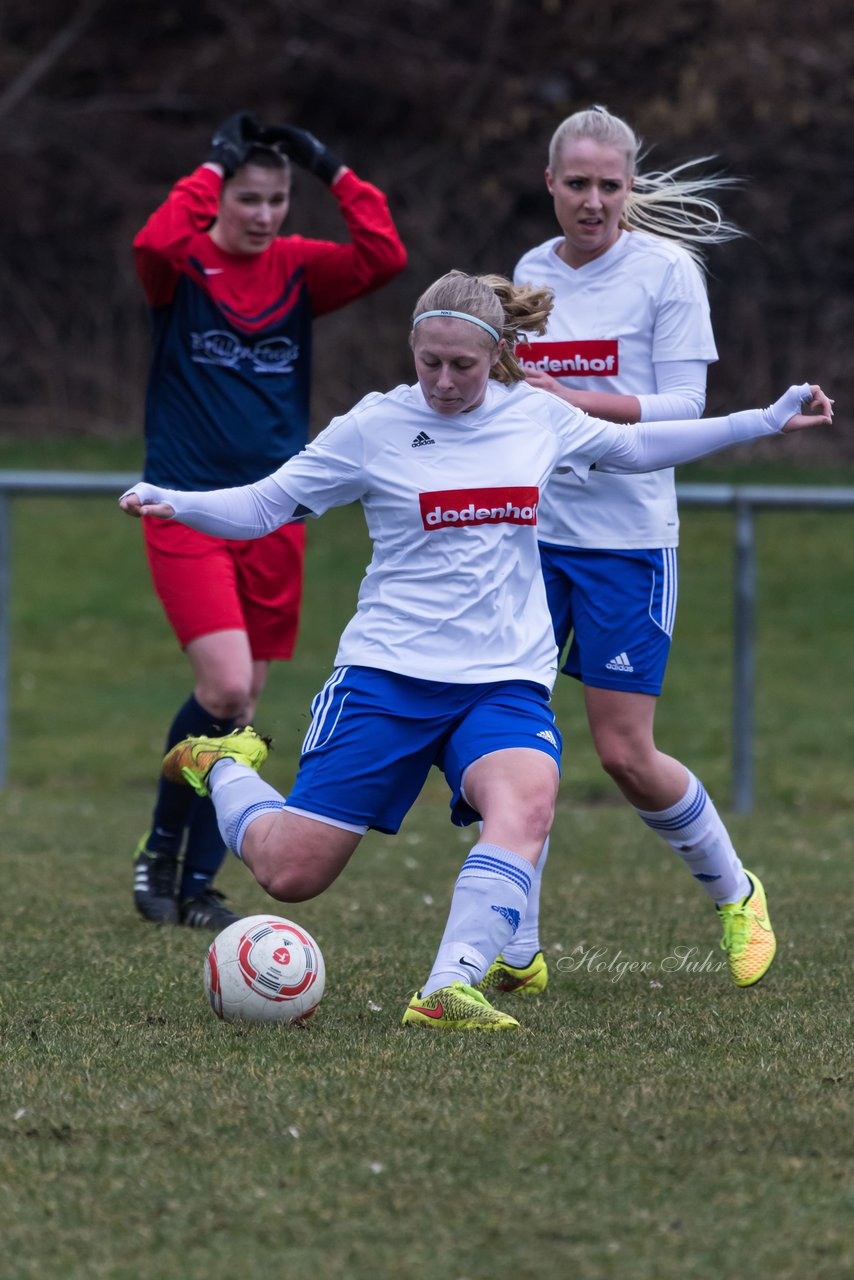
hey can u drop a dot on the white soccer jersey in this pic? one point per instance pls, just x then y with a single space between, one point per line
641 303
454 590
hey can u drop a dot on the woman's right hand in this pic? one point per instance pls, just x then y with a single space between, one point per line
131 504
545 381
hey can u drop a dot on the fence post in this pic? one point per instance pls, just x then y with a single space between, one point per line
744 661
5 627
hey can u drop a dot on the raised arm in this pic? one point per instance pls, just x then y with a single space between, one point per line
160 248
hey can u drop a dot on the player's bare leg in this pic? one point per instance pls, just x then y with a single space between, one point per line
295 857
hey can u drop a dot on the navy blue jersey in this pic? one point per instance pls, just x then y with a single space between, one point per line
228 393
226 406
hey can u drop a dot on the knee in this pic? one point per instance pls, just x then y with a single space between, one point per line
535 817
284 886
225 699
623 758
540 819
289 881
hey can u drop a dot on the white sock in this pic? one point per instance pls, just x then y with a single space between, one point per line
525 943
239 797
490 898
694 830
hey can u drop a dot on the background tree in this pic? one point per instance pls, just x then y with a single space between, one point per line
446 106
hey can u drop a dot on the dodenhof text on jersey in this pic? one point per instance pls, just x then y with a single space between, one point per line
585 359
513 504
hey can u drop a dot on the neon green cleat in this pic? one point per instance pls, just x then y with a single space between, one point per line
456 1008
504 977
191 760
748 937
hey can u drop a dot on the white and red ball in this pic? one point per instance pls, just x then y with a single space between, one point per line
264 969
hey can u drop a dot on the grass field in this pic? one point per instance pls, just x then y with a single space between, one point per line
650 1122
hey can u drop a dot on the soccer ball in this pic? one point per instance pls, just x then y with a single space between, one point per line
264 969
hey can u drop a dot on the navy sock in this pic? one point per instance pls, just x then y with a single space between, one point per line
174 804
205 852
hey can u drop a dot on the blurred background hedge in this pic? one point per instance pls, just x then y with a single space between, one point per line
448 107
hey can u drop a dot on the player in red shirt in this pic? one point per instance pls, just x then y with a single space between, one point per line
232 307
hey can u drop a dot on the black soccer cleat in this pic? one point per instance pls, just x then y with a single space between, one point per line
207 911
155 876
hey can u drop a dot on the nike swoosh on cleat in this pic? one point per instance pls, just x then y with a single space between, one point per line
430 1013
763 921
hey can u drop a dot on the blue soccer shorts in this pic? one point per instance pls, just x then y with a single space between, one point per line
375 735
619 607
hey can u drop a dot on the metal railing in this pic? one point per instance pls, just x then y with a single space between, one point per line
744 500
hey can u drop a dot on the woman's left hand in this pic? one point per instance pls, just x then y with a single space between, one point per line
815 412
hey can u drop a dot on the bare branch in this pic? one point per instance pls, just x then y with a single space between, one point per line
44 61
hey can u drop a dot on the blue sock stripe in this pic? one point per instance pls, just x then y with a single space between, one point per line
249 815
495 867
682 819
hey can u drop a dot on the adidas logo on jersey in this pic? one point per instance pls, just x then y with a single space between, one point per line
548 735
421 438
620 663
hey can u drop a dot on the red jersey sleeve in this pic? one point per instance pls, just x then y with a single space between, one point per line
338 273
160 248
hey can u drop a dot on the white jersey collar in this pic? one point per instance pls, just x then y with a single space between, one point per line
598 266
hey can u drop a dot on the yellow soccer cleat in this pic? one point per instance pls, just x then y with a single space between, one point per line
748 937
456 1008
191 760
504 977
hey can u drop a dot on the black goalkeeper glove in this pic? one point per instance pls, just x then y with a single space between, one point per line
233 140
304 149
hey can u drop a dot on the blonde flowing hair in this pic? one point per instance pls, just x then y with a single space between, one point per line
664 203
512 310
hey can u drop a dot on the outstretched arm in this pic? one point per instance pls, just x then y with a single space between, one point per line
246 512
651 446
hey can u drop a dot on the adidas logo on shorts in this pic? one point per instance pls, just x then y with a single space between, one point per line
548 735
620 663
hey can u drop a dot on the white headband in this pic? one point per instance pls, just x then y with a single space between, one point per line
459 315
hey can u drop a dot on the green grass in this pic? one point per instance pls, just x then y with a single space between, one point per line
650 1122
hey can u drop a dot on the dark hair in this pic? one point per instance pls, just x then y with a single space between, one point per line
265 157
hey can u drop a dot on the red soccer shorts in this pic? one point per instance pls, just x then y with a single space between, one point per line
208 584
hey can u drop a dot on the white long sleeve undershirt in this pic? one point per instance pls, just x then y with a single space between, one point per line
680 391
250 511
650 446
